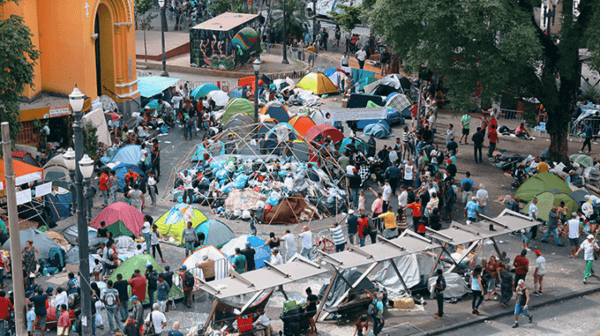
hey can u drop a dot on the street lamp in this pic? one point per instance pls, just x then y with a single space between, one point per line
256 66
164 72
284 60
76 100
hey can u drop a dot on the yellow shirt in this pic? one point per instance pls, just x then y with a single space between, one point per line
542 167
389 219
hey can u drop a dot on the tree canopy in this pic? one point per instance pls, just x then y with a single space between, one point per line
349 18
498 47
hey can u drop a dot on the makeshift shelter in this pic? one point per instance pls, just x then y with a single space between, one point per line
324 131
301 124
138 262
579 196
414 268
276 111
456 286
359 143
216 232
173 222
123 168
550 198
59 205
285 212
400 103
153 85
59 239
71 234
121 219
379 130
97 119
235 106
24 173
72 258
41 241
339 288
318 83
222 264
262 252
584 160
539 183
219 97
237 92
391 83
129 154
26 158
56 170
202 90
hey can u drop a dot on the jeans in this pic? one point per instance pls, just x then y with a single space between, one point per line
477 149
156 166
482 208
439 297
554 234
355 192
147 239
188 131
113 195
373 235
491 149
124 311
377 326
477 299
94 325
306 253
351 236
151 294
361 64
105 197
362 241
340 247
113 313
289 255
154 248
189 247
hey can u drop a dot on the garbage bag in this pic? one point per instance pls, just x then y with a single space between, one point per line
273 201
222 174
241 181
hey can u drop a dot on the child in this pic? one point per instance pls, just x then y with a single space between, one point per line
138 250
97 269
361 202
421 229
30 318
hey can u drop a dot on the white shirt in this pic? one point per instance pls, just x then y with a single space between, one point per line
290 243
276 259
540 264
387 193
153 238
61 298
403 199
146 228
306 239
573 228
344 61
482 194
262 319
533 210
151 182
588 248
158 319
361 55
187 181
176 101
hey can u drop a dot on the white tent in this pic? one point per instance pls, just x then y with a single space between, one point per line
456 286
412 267
220 98
222 265
97 119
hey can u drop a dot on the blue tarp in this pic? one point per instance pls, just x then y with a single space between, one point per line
129 154
379 130
122 169
59 205
151 86
262 252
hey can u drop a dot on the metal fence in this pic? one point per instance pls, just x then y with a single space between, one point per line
315 61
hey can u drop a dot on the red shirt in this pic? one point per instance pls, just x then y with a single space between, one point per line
64 320
492 122
362 223
521 265
416 208
493 136
421 228
138 287
103 182
133 175
5 308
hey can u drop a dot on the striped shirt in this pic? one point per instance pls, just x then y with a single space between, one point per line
338 235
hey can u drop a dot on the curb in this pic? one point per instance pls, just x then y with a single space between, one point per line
481 319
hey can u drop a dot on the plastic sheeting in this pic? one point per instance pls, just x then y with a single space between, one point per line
97 119
153 85
456 286
340 287
262 252
414 268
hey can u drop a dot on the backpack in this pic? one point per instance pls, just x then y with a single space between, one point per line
467 186
189 280
365 230
110 298
56 258
152 279
372 310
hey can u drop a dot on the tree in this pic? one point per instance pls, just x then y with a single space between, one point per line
350 17
18 56
144 19
295 16
496 46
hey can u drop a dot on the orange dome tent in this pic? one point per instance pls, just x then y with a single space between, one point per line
24 173
301 124
276 110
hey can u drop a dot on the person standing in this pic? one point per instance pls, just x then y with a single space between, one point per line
338 237
152 188
552 227
352 221
416 212
465 120
472 210
378 321
138 285
154 235
521 264
162 293
478 139
113 305
146 228
306 237
103 186
493 138
588 130
152 280
574 232
290 245
477 288
113 183
390 226
158 319
189 238
376 209
492 275
187 281
371 146
239 261
39 305
138 313
533 214
588 246
208 268
450 199
121 287
136 197
507 286
30 255
482 198
361 57
449 134
276 258
538 274
440 286
363 229
64 322
522 305
155 151
249 253
361 327
466 186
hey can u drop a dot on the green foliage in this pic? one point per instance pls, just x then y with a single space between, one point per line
141 9
295 16
237 6
591 94
18 58
350 17
90 140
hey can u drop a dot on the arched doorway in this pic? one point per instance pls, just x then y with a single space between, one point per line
105 65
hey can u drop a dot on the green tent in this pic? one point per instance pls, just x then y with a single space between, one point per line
584 160
235 106
202 90
138 262
539 183
550 198
216 232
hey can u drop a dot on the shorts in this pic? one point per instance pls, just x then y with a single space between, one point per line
521 310
465 131
526 237
573 242
41 320
491 285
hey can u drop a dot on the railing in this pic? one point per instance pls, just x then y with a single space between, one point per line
316 62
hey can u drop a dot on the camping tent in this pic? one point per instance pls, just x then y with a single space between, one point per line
175 220
539 183
25 157
235 106
300 149
202 90
219 97
24 173
276 110
379 130
318 83
583 160
56 170
122 169
302 124
129 154
414 269
317 117
391 83
579 196
71 235
333 74
550 198
59 205
216 232
236 92
238 120
121 219
262 252
282 132
324 131
400 103
222 264
41 241
266 125
359 142
138 262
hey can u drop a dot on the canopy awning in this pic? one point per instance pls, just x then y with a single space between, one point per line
24 173
153 85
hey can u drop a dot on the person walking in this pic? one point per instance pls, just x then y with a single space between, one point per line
552 227
493 273
376 210
162 293
588 246
307 244
363 229
361 57
137 197
439 287
138 285
352 221
533 214
538 274
522 305
478 144
103 186
574 232
64 322
113 305
146 228
290 245
507 285
311 309
152 281
477 289
154 234
521 264
588 130
338 237
378 321
466 186
189 238
239 261
493 139
187 281
482 198
465 121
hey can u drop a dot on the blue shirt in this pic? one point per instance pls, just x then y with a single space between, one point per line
30 320
163 291
588 131
462 183
240 263
175 333
472 209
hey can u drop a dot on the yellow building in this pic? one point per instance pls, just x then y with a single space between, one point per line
88 43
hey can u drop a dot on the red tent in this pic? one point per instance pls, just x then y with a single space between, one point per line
324 131
24 173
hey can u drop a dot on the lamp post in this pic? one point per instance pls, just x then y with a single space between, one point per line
79 172
284 60
164 72
256 65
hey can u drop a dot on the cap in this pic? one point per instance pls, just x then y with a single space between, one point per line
574 214
538 252
590 237
521 282
449 160
350 212
183 268
248 244
134 298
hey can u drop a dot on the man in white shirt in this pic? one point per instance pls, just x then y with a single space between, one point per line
482 198
574 230
290 245
533 214
158 319
402 197
61 298
344 60
276 258
361 56
187 185
538 274
588 246
307 244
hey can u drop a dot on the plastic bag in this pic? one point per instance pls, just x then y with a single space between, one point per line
240 181
272 201
268 207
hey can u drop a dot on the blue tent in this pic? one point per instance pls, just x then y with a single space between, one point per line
379 130
129 154
276 111
357 141
59 205
262 252
202 90
123 168
236 92
151 86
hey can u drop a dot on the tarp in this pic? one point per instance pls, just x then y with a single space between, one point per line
25 157
360 143
456 286
235 106
216 232
24 173
550 198
340 287
361 124
539 183
129 154
138 262
262 252
121 219
364 81
219 97
379 130
400 103
302 124
324 131
202 90
222 264
579 196
175 220
276 111
414 269
584 160
41 241
153 85
98 120
357 100
72 236
122 169
72 258
288 211
318 83
59 206
56 170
